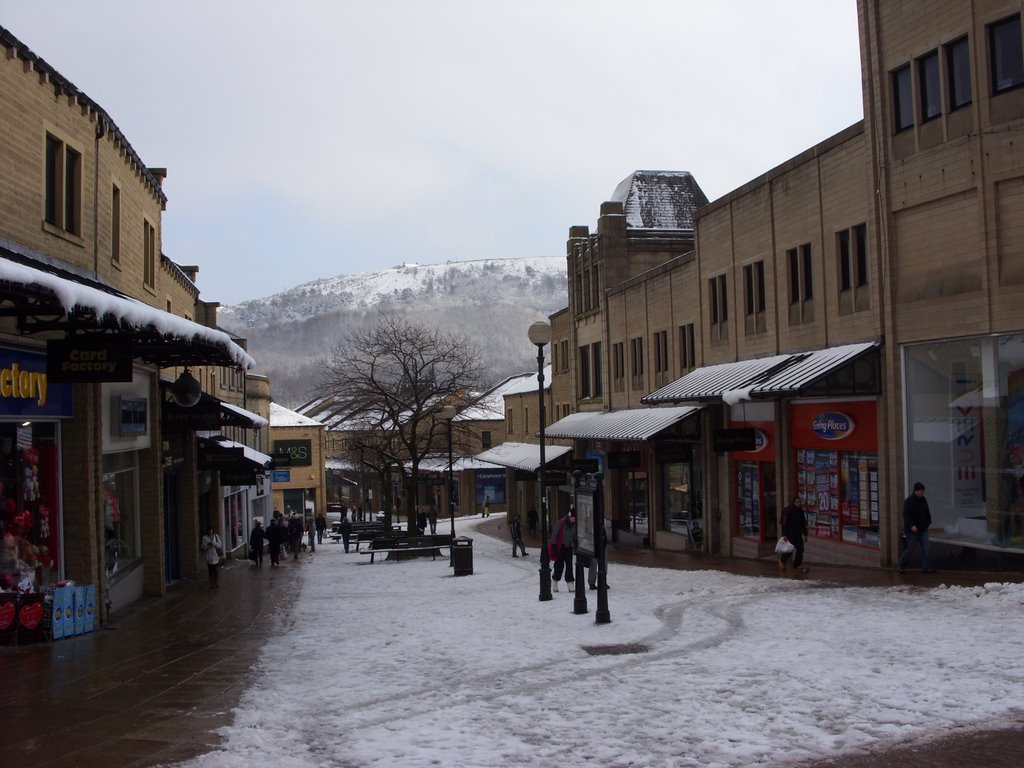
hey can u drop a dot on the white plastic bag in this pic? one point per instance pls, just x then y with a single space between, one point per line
784 547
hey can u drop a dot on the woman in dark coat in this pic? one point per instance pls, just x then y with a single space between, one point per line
256 537
276 535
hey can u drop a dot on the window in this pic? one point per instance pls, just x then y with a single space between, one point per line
149 254
903 104
619 366
595 289
853 269
63 186
718 306
485 439
115 225
661 364
564 355
1007 59
801 284
845 265
958 73
636 348
928 81
595 358
584 372
754 297
860 243
687 350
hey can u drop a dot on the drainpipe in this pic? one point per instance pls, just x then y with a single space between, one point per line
101 131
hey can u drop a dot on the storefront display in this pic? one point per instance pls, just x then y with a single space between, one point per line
755 494
836 465
120 514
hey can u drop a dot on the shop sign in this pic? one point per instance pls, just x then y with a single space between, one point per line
203 416
281 476
89 360
238 477
219 457
25 389
832 425
760 441
624 459
300 451
737 439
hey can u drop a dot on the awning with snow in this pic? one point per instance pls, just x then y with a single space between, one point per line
217 452
847 369
522 455
459 463
44 297
635 424
210 414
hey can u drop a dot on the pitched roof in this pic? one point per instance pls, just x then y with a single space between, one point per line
660 199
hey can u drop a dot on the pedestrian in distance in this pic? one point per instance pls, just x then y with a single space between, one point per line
487 506
321 526
421 521
276 535
531 520
794 528
345 529
311 535
917 518
294 535
213 550
515 528
432 519
563 541
256 539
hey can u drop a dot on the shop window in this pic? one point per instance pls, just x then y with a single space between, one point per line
30 519
63 194
839 490
120 514
755 500
903 99
958 73
234 520
681 494
1006 57
928 84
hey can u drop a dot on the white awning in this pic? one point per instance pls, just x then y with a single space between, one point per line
805 369
259 458
522 455
254 419
635 424
710 382
459 463
762 377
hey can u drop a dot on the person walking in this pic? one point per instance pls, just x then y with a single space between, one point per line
421 521
213 550
563 539
487 506
794 528
515 527
917 518
276 535
294 535
345 529
256 538
321 526
432 519
311 535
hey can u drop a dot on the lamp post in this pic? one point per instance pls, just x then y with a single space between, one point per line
448 413
540 334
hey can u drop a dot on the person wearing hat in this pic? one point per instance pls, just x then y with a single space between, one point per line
916 520
256 539
563 539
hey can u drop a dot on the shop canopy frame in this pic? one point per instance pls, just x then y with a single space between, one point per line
628 425
45 297
525 456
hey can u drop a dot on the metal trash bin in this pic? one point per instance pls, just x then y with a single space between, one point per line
462 556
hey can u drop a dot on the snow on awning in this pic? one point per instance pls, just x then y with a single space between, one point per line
253 420
56 298
710 382
215 440
635 424
459 463
807 368
522 455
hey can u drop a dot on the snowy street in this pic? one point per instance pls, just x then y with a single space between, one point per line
401 664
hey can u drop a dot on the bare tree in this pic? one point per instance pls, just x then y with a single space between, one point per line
396 376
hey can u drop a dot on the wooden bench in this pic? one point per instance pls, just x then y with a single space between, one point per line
408 545
361 532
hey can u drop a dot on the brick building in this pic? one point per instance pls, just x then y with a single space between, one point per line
117 385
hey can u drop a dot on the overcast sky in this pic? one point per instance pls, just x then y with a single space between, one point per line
313 138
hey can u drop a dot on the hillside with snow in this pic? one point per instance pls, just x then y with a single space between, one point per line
493 301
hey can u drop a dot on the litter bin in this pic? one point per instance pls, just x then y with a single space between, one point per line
462 556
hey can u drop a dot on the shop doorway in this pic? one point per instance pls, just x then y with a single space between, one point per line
172 529
756 510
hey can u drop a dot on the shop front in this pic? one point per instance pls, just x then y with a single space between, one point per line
755 486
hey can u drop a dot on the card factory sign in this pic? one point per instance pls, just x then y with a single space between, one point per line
89 360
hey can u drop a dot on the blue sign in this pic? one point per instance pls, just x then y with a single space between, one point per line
832 425
281 476
25 390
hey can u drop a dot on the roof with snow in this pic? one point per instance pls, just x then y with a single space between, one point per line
660 199
491 406
286 417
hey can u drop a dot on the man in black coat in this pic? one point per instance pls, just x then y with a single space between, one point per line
794 528
276 536
256 538
917 518
294 535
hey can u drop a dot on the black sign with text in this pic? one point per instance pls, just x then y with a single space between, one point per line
89 360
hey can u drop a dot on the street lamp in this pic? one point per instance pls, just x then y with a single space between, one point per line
540 334
448 413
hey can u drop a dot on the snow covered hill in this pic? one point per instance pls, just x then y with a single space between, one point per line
493 301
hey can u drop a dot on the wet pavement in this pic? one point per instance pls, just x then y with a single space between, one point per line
153 686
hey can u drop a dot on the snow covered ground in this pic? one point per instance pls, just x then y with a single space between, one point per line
402 664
